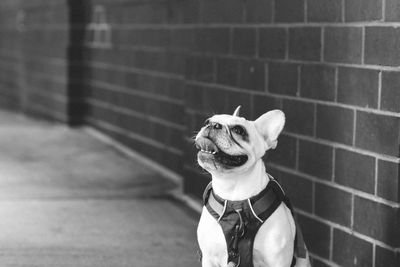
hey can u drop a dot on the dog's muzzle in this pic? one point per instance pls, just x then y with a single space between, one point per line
210 151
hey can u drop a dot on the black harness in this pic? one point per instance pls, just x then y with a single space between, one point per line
240 221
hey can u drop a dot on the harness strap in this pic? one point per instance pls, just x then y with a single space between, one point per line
240 220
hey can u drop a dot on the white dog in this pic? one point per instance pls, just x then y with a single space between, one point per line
247 219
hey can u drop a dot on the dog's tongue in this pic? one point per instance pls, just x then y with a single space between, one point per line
206 144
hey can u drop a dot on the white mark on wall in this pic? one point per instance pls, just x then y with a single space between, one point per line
98 31
20 20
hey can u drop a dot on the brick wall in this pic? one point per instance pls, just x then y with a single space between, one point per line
134 76
332 67
148 73
33 53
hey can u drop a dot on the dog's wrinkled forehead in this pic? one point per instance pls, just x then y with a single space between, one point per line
228 119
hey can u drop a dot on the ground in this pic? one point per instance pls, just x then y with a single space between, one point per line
67 199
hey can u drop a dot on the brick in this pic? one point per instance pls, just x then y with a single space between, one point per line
363 10
378 133
392 10
315 159
214 100
272 43
390 93
349 250
198 120
142 14
318 82
227 71
213 40
177 89
194 97
191 11
252 75
165 110
141 37
198 183
382 46
388 180
318 263
282 78
316 235
299 122
355 170
324 10
289 11
385 257
200 69
376 220
305 43
258 11
223 11
164 61
333 204
298 189
343 44
358 87
263 103
182 39
244 41
234 99
335 124
285 153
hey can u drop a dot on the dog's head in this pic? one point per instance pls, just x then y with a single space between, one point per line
229 143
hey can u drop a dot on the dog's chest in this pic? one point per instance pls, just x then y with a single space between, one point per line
213 245
273 243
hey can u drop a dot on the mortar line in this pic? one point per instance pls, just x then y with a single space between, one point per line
298 80
133 113
352 213
326 262
305 11
354 127
297 154
331 243
273 11
346 230
343 11
362 45
383 10
373 254
322 59
346 189
135 136
376 178
306 100
336 85
379 89
333 164
315 121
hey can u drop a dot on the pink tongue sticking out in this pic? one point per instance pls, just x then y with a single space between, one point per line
206 145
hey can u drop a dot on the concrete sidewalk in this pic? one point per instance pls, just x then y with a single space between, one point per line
67 199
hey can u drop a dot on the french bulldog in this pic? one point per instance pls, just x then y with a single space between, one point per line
231 150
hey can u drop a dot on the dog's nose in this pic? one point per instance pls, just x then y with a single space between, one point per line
217 126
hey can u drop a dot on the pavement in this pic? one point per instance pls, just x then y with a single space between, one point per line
68 199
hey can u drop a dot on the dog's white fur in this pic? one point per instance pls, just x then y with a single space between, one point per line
273 244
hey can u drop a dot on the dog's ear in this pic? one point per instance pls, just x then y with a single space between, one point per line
236 112
269 126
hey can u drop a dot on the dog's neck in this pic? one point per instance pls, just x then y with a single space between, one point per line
241 186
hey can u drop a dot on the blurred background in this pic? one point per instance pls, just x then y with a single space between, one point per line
146 74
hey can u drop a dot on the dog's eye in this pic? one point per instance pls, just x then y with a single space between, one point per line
239 130
207 122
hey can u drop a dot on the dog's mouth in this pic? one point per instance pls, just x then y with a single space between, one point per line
210 151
